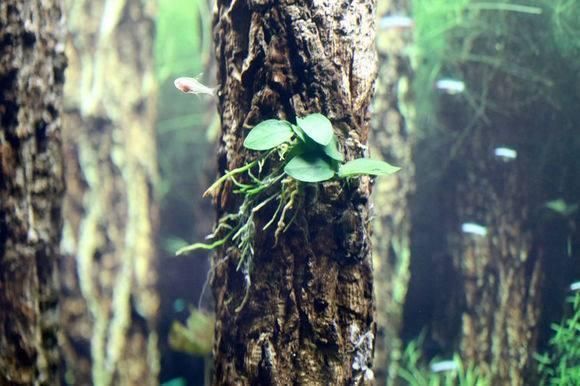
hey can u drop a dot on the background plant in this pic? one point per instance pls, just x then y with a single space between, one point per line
560 366
415 371
184 142
184 129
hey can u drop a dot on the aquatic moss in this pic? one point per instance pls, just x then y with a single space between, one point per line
456 39
416 371
561 365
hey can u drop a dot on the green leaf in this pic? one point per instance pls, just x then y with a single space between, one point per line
309 168
366 166
331 150
268 134
175 382
317 127
562 207
299 133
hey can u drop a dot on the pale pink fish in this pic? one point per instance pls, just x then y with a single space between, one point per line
193 86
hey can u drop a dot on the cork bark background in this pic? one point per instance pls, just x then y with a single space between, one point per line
496 270
309 315
500 272
392 139
32 64
110 303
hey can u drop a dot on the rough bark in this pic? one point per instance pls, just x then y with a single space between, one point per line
392 139
486 303
308 318
500 272
32 64
495 259
110 300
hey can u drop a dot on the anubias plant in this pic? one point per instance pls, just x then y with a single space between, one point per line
291 156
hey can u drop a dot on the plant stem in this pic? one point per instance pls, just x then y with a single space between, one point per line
229 174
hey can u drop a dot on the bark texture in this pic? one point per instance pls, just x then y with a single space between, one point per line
32 64
308 318
392 140
500 272
496 257
110 300
487 297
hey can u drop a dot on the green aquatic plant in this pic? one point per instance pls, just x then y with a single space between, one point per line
196 336
566 28
566 211
455 39
414 370
291 155
184 130
183 40
562 207
561 365
175 382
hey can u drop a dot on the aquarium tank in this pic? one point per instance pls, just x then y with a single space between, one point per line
258 192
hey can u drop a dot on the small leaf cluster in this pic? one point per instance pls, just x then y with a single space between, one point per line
313 154
304 152
309 151
195 336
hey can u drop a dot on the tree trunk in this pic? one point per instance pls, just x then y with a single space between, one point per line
110 304
500 272
492 195
392 139
32 64
308 317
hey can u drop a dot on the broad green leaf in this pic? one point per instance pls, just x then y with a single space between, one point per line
366 166
331 150
175 382
310 168
562 207
268 134
317 127
299 133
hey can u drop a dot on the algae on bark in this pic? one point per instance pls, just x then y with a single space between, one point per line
110 303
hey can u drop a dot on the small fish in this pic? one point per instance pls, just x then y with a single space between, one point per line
450 86
396 22
474 229
193 86
505 153
442 366
575 286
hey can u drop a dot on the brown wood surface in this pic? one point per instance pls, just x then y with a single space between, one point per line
32 64
308 319
392 139
110 303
